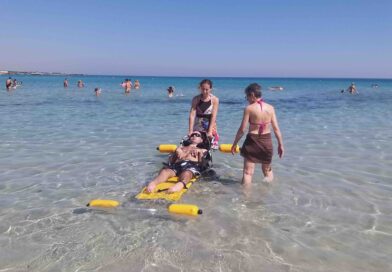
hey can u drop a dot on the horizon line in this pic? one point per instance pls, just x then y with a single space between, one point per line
193 76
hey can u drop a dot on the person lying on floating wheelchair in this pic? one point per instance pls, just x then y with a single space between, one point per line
187 162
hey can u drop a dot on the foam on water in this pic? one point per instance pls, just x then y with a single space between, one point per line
329 208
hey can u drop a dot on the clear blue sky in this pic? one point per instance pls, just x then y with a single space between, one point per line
327 38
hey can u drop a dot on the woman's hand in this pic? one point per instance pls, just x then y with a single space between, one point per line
209 135
233 149
280 151
194 153
180 153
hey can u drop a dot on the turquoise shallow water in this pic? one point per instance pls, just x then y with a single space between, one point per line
328 209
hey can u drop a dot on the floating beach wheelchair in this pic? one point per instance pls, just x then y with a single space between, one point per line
160 193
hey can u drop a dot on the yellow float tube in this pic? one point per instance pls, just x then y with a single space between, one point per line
103 203
186 209
167 148
226 148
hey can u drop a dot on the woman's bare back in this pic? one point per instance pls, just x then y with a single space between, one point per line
260 115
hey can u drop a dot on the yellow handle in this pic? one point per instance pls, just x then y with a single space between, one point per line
167 148
187 209
226 148
103 203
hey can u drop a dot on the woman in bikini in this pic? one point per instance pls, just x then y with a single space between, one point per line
137 84
170 91
128 86
80 84
204 109
257 147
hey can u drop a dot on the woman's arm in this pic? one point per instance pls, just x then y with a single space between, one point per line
278 134
200 155
180 153
241 129
215 103
192 115
174 156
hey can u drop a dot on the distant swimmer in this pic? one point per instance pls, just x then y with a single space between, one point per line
276 88
97 91
342 90
137 84
8 83
80 84
170 91
375 85
352 89
65 83
127 85
124 83
14 84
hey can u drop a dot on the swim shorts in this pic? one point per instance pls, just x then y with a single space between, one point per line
182 166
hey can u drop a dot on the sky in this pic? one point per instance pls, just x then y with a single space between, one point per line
264 38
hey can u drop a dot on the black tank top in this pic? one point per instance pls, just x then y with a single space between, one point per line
202 107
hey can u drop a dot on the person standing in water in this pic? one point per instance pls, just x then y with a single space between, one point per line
14 83
8 84
257 147
80 84
65 83
137 84
204 109
170 91
128 86
97 91
352 89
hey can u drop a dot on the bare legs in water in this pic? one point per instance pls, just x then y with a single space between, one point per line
249 169
165 174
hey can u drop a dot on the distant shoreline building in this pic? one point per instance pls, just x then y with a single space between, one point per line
4 72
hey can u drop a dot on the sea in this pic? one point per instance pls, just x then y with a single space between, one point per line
329 207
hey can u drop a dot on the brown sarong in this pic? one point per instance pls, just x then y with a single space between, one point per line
258 148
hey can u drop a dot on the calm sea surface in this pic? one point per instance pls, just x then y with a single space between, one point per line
329 208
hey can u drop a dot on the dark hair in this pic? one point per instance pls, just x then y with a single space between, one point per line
255 89
206 81
204 144
203 135
205 141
